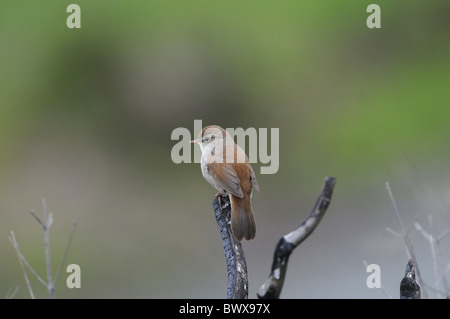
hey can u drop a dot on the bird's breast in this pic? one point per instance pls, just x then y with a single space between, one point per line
210 178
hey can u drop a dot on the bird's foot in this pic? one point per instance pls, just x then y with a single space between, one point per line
222 200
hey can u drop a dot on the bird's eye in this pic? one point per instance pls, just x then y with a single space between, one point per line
213 137
206 139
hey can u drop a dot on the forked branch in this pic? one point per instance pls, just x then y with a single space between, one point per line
51 282
237 287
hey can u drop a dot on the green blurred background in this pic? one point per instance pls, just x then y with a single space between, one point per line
86 117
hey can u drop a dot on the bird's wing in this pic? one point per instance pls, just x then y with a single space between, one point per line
253 178
226 177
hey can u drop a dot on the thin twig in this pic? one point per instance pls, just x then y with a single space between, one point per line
434 256
11 293
48 220
443 234
434 289
397 212
393 232
37 218
13 241
25 261
66 251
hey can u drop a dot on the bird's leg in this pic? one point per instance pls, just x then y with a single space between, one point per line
219 197
222 199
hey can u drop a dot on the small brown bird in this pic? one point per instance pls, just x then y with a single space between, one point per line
225 166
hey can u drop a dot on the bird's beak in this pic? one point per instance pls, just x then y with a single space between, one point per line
195 141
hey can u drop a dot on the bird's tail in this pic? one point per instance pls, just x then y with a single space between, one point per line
243 222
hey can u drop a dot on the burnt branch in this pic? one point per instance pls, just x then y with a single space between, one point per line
409 288
237 287
271 288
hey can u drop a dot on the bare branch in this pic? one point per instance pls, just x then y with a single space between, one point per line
272 287
405 238
46 224
237 287
15 244
436 257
